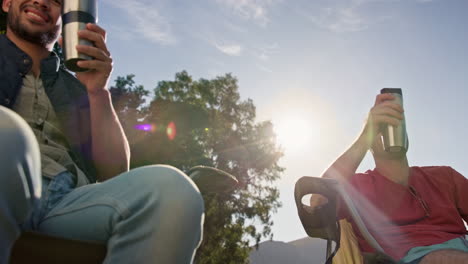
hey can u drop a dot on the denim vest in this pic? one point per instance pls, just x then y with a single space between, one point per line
66 94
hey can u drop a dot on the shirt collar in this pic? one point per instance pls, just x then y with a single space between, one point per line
380 177
49 65
15 54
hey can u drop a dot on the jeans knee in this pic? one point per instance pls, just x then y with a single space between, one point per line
20 163
17 140
171 187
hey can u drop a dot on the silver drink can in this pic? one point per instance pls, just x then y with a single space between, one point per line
395 138
75 15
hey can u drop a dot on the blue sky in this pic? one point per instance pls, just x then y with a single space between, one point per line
320 62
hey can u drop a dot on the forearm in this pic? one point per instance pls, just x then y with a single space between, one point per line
110 149
344 167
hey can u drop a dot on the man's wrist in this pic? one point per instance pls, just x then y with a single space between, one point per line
363 142
101 94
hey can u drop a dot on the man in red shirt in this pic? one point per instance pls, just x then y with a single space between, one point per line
415 213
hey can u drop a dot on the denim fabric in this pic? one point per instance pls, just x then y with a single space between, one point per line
20 177
53 191
147 215
415 255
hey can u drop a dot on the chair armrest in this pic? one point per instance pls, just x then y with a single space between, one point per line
314 219
317 221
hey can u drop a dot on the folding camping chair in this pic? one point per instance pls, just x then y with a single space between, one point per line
34 247
322 222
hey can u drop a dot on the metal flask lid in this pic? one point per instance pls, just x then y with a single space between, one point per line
75 15
392 90
84 11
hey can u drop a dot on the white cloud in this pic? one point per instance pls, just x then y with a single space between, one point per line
264 53
347 20
235 28
346 15
146 20
119 32
337 18
228 47
231 50
264 68
250 9
361 2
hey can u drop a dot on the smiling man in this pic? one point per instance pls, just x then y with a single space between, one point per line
64 160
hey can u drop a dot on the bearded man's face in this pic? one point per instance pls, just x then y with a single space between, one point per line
36 21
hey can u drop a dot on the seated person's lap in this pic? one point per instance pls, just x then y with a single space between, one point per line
456 248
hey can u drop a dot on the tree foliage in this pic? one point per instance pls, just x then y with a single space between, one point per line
213 127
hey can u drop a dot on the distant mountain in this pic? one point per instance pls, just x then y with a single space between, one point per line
303 251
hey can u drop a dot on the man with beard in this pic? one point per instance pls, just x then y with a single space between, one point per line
59 136
415 213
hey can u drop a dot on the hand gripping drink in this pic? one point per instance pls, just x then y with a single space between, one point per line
395 138
75 15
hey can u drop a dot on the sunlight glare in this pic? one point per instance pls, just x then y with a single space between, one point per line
294 133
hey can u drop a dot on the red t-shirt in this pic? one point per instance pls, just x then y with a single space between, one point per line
428 211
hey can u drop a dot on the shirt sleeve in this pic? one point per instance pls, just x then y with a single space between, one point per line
341 211
354 183
460 193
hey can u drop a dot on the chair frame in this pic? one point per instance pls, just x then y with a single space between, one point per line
35 247
316 221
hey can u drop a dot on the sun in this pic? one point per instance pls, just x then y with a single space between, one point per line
294 133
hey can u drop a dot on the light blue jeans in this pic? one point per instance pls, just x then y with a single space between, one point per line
151 214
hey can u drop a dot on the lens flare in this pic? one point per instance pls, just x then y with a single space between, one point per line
171 131
146 127
376 221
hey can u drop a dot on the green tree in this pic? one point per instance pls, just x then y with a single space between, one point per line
129 100
213 127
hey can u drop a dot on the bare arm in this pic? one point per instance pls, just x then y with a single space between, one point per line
110 149
111 152
383 112
344 167
348 162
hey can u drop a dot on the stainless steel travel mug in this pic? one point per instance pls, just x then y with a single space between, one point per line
75 15
395 138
